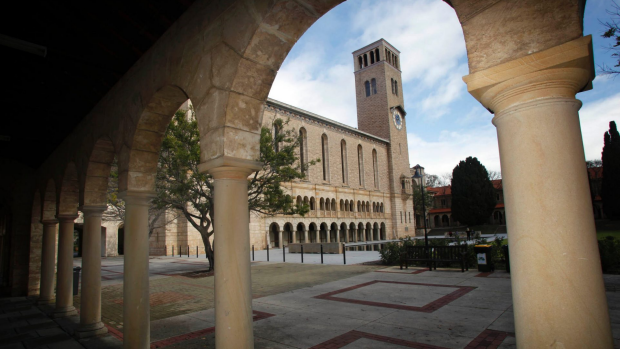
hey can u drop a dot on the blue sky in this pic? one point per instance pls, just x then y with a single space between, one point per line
444 123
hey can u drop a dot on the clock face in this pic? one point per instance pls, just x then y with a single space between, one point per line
398 120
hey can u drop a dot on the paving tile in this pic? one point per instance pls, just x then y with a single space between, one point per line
170 327
304 329
437 338
505 322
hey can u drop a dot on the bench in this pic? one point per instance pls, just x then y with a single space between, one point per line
434 254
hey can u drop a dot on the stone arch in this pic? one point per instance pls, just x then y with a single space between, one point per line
351 206
69 198
298 201
328 204
322 204
361 236
137 162
383 231
375 231
445 220
49 202
359 206
333 204
342 205
324 233
287 235
98 173
306 201
368 231
274 235
301 232
312 204
312 232
343 232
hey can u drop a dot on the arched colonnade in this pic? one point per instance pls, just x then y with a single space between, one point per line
527 61
278 237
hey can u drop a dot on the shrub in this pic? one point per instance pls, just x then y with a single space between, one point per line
609 249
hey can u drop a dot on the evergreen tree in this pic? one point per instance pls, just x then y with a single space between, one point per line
417 201
610 192
182 187
473 195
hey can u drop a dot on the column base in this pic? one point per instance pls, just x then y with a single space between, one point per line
64 312
91 330
45 301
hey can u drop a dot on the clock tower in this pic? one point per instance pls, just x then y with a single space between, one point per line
381 112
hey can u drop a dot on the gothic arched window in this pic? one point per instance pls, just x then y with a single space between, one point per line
343 160
325 157
303 150
367 86
375 168
373 84
360 164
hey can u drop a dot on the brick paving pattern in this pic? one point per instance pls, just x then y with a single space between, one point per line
184 293
428 308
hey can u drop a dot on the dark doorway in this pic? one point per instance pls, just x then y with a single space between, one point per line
121 241
78 236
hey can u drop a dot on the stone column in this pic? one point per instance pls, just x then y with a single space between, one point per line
557 285
354 234
337 235
48 262
306 236
90 307
280 239
64 276
294 232
136 307
233 291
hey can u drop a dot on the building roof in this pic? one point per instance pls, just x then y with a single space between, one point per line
323 120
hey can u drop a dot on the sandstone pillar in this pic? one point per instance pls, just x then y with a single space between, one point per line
306 233
136 307
233 291
64 276
337 235
90 307
557 285
280 239
48 262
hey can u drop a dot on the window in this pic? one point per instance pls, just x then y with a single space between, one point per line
497 197
361 63
325 158
377 57
367 86
409 217
303 150
443 202
401 216
276 135
402 184
343 159
360 164
375 168
396 87
365 60
392 85
373 84
372 57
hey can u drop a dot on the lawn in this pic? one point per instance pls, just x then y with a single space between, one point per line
605 228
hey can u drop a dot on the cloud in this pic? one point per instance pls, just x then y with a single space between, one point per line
442 154
595 117
440 98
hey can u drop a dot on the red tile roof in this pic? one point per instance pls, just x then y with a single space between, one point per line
440 210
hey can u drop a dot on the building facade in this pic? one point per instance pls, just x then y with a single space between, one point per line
360 190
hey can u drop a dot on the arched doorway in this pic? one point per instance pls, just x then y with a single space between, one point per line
274 235
287 235
301 233
312 233
324 233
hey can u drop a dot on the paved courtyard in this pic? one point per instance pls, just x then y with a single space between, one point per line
307 306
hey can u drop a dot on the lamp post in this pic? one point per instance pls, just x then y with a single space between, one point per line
419 176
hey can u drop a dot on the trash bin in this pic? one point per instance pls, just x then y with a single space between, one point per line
505 250
483 257
76 280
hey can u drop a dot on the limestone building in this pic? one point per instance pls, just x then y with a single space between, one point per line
360 190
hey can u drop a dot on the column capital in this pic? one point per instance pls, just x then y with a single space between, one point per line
93 210
66 218
560 71
137 197
226 167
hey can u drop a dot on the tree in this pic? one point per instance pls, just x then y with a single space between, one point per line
612 31
473 195
610 192
182 187
595 173
494 175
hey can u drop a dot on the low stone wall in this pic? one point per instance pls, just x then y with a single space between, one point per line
328 247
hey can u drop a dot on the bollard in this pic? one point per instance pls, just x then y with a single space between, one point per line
252 253
180 250
172 254
187 251
165 250
344 253
302 253
321 253
267 252
283 253
196 251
